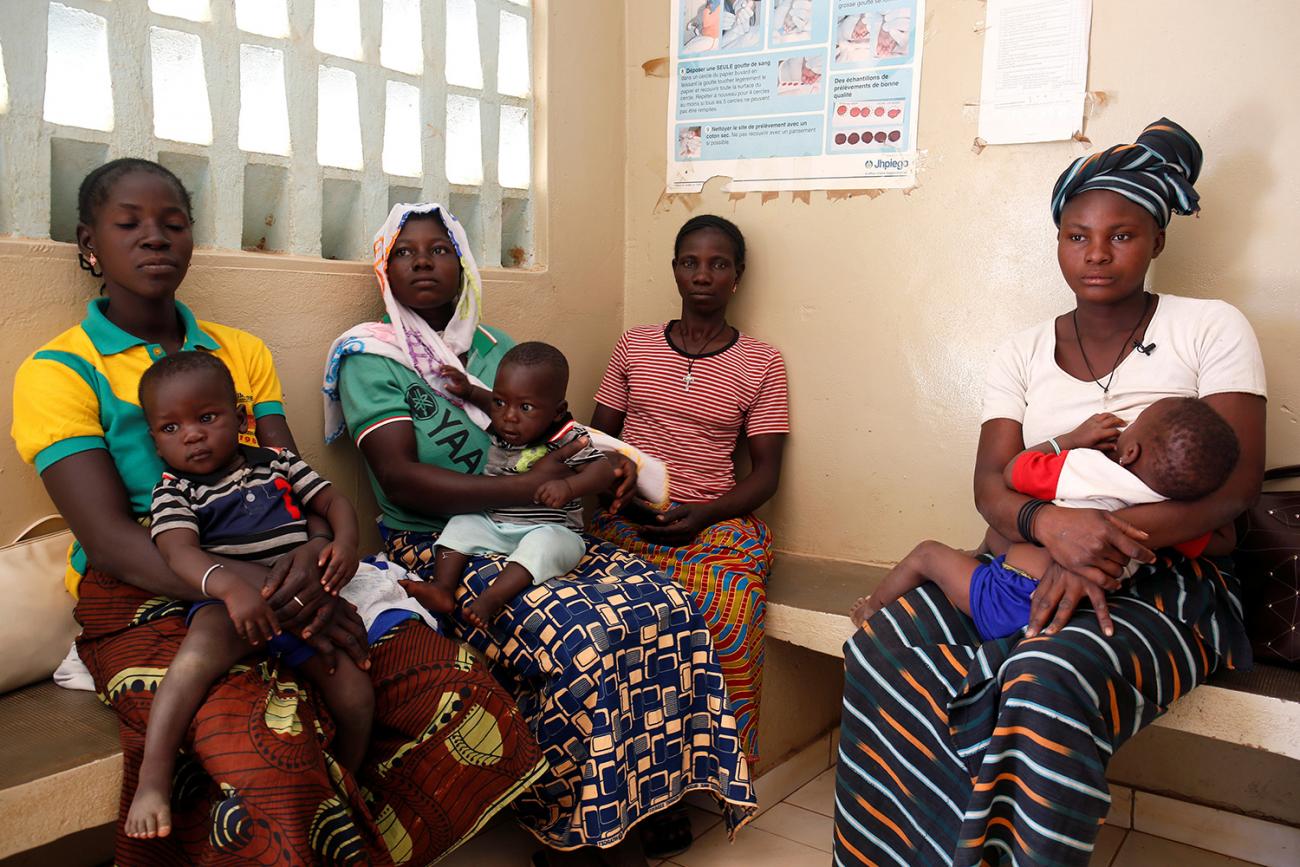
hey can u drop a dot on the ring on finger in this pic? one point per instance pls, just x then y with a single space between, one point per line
301 604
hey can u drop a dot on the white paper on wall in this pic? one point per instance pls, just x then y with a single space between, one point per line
1035 72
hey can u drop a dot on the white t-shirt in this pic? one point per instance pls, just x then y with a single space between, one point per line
1201 348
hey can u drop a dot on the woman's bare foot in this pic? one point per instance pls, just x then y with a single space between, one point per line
151 812
434 597
863 609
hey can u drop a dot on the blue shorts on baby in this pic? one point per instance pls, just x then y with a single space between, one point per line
293 651
999 598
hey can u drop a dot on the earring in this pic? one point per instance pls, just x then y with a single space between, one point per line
89 263
734 287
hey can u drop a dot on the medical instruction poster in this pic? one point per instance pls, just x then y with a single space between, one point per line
794 94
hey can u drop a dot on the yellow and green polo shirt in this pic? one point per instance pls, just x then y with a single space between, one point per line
79 392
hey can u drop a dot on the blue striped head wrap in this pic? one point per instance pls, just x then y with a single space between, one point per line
1157 172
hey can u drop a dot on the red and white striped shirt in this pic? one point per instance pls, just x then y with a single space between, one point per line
695 431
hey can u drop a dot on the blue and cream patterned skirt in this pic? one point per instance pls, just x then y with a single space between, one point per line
617 677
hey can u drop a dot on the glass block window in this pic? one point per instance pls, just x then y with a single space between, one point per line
295 123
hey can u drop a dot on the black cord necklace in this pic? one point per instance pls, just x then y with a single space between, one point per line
699 353
1105 389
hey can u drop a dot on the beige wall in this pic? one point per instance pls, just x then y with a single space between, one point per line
298 305
887 308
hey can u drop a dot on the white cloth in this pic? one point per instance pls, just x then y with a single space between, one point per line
1202 347
651 473
407 338
72 672
374 590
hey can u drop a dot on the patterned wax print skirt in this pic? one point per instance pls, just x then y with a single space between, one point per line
256 783
724 573
616 674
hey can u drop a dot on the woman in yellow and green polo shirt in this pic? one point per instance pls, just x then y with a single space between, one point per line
254 786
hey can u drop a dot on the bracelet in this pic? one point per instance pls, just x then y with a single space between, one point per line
1056 447
329 537
1025 519
203 585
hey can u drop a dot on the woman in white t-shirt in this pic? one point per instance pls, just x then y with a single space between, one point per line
953 751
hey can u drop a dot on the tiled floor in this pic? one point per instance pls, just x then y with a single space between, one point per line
796 832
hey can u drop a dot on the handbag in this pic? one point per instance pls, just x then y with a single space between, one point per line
39 625
1268 563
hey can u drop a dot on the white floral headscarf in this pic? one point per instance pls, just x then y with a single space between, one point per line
407 338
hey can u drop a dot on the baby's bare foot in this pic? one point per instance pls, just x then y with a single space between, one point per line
434 597
863 609
481 611
150 814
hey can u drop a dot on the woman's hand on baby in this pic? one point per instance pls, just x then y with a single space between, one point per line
1099 432
624 481
253 619
554 494
294 588
338 627
677 526
458 383
553 466
1057 595
340 561
1091 543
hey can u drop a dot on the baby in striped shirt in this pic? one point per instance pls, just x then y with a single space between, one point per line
530 419
218 502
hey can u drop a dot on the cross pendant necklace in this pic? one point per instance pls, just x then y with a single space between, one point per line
691 357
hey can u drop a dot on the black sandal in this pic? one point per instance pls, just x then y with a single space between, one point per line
667 833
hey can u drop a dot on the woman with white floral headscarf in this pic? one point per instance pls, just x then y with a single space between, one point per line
612 668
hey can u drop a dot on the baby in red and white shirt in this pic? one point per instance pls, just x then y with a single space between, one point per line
1179 448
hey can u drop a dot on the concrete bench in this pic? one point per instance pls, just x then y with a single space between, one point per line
60 767
1243 727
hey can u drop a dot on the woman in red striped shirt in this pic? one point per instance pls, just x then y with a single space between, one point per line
686 392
